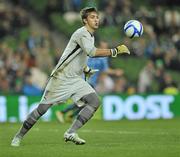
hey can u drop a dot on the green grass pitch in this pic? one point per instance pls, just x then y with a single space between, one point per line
156 138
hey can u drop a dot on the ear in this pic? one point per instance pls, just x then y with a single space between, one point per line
85 21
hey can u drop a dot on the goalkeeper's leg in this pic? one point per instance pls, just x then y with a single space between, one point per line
29 122
92 104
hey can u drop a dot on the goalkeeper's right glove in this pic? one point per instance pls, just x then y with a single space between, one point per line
119 50
88 72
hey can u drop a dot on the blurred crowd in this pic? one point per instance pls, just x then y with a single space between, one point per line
24 68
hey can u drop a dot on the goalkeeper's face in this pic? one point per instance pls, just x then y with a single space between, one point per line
92 20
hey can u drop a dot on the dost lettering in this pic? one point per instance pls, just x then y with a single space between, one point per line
151 107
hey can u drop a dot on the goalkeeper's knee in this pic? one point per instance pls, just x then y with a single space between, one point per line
92 100
92 104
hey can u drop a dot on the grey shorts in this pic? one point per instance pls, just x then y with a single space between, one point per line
60 89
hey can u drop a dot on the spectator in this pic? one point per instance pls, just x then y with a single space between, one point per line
171 59
4 84
169 86
109 16
146 76
120 85
105 84
157 55
30 89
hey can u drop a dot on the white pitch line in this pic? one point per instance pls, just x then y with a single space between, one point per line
124 132
127 132
94 131
109 131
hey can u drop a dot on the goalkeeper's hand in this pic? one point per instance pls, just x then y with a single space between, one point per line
88 72
119 50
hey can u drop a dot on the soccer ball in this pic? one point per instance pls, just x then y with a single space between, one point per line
133 28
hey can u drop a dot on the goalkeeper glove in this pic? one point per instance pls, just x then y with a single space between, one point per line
119 50
88 72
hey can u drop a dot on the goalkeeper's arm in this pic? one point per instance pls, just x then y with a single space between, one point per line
121 49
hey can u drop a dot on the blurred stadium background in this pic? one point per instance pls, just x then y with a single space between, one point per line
33 34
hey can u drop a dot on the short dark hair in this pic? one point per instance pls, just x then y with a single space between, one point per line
85 11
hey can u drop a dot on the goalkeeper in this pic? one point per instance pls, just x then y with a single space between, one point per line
68 113
66 81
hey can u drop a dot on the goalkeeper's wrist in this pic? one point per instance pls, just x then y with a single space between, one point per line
114 52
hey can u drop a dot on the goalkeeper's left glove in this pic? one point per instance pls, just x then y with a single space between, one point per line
88 72
119 50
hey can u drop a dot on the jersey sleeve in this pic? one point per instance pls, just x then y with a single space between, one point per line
87 45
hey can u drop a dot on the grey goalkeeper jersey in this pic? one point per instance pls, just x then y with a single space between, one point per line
74 57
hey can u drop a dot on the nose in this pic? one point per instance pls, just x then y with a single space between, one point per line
97 19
